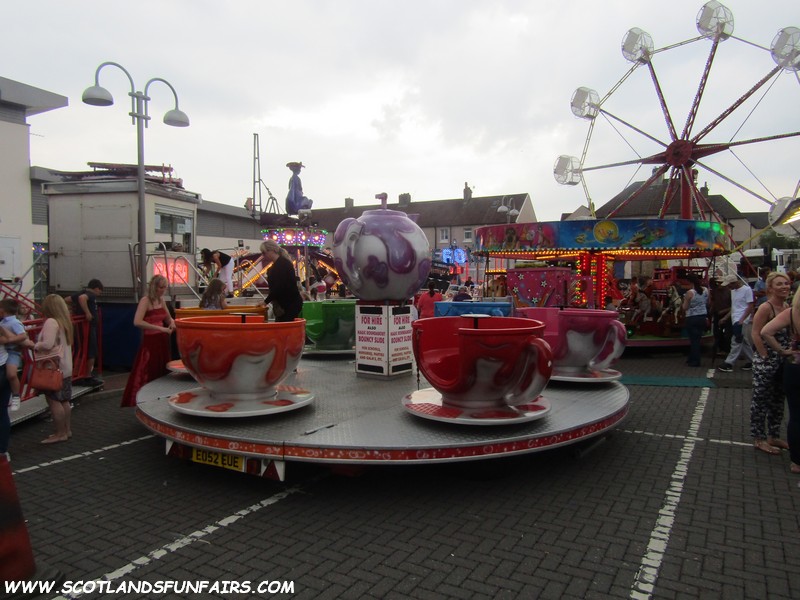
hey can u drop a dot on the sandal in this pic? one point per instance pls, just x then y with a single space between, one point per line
764 446
778 443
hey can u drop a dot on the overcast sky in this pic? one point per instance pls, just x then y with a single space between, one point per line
392 96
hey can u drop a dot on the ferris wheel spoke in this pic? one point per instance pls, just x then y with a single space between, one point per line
687 128
619 83
663 102
767 138
727 112
586 143
633 127
623 163
734 183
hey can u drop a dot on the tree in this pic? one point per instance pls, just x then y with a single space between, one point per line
771 239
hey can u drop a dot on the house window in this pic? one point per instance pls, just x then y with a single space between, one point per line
467 235
444 234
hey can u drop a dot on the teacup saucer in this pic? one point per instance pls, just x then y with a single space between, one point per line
427 403
199 402
587 376
177 366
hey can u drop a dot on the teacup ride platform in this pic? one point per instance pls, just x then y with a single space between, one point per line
357 422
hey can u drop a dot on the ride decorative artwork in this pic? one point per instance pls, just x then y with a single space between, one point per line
611 234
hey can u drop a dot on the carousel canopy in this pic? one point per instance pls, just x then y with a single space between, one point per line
625 238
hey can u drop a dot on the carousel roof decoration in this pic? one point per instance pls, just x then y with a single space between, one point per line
640 238
297 236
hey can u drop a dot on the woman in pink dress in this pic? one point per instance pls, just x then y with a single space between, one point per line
154 319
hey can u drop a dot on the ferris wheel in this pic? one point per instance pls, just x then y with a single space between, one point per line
718 131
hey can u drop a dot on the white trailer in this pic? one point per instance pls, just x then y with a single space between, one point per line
93 231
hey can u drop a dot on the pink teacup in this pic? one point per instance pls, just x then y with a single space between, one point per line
582 339
478 361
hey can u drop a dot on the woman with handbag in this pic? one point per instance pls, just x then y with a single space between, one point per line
54 349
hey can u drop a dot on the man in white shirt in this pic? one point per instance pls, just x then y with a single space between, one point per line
740 315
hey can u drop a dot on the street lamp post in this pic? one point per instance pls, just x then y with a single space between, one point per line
99 96
510 211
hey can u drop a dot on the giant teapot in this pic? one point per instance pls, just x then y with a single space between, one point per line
382 255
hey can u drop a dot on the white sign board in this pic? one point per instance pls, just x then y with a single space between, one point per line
383 340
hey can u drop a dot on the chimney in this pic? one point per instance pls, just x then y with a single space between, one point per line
404 199
348 203
467 192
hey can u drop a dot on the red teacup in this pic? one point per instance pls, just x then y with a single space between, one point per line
477 361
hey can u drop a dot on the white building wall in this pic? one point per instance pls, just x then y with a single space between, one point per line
16 255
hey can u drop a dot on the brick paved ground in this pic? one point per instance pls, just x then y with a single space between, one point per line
648 512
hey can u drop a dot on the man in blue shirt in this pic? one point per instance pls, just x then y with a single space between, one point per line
760 287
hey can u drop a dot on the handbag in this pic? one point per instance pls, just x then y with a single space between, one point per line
46 375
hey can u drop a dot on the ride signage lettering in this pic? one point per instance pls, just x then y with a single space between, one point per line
176 271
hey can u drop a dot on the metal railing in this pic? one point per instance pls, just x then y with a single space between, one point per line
10 291
251 272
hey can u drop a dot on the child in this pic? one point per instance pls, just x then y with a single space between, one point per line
85 304
16 341
214 296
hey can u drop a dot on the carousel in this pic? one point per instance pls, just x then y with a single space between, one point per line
575 268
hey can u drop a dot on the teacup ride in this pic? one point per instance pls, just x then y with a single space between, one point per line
585 342
331 326
494 405
240 362
484 370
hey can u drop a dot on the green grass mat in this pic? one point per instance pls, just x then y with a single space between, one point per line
667 381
